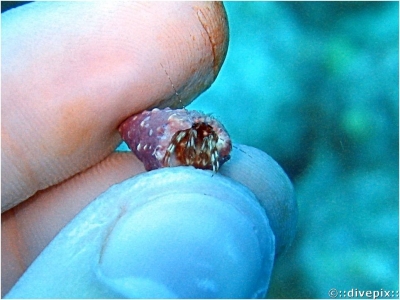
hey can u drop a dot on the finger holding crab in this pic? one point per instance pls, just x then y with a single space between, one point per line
72 72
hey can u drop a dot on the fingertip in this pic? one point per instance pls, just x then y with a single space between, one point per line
149 237
85 67
272 187
214 20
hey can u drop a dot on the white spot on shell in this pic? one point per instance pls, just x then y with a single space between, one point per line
138 147
144 122
145 147
157 152
150 132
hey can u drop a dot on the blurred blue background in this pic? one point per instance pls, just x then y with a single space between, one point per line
315 85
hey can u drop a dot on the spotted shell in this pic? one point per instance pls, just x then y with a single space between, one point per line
177 137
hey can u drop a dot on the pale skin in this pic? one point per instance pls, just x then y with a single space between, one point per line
70 76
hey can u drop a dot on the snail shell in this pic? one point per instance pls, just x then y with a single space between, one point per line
177 137
168 233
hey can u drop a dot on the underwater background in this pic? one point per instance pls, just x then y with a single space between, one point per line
315 85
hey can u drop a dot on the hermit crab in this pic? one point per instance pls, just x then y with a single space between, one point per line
177 137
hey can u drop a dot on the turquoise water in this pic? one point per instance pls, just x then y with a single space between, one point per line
315 85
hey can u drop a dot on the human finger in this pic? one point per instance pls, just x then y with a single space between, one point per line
100 246
72 72
272 187
28 227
